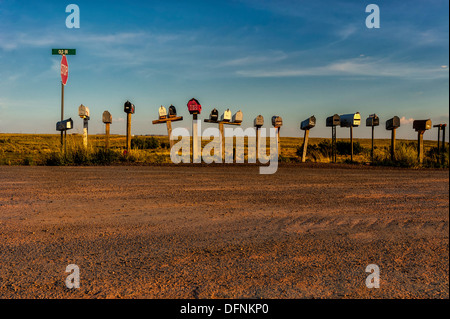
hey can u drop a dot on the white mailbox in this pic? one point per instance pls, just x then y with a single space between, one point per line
83 111
162 112
238 117
226 116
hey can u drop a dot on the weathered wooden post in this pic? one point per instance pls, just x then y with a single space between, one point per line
168 119
258 123
421 126
372 121
333 121
392 125
107 119
83 112
351 120
441 127
277 122
306 125
129 108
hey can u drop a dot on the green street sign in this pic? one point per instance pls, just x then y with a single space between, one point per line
64 51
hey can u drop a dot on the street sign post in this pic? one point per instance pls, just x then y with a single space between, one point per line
64 52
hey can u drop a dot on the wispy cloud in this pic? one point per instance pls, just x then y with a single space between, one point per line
405 121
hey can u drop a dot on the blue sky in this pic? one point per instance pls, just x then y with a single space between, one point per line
289 58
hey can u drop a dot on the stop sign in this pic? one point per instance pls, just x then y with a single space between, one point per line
64 70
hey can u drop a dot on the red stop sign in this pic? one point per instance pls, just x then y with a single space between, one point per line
64 70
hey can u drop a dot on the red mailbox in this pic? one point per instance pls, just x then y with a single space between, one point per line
194 107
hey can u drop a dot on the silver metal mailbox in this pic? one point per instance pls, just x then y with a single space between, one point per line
308 124
64 125
334 120
83 111
277 121
393 123
422 125
238 117
162 112
259 121
351 120
226 116
107 117
372 120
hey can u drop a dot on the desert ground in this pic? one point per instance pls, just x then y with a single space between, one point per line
308 231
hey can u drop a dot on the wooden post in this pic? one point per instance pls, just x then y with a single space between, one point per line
222 144
351 143
85 132
258 134
420 145
278 141
372 142
196 158
128 133
393 145
169 132
439 141
333 144
107 135
305 145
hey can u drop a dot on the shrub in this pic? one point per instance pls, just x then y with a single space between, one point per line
144 143
344 148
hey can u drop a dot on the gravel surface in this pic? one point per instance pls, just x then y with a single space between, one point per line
223 232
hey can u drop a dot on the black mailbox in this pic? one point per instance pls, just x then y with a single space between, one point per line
214 116
334 120
64 125
393 123
172 111
308 123
421 125
107 118
128 107
373 120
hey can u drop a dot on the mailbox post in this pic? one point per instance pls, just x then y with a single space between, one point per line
372 121
421 126
277 122
227 119
63 127
391 125
333 121
107 119
258 123
195 109
306 125
83 113
168 119
129 108
351 120
440 127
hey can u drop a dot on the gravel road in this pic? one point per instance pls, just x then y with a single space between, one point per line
223 232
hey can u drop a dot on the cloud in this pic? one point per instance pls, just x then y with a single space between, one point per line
405 121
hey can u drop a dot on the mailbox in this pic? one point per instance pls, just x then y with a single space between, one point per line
194 107
64 125
277 121
226 116
421 125
214 116
308 123
83 111
334 120
128 107
259 121
393 123
238 117
350 120
172 111
107 117
162 112
372 120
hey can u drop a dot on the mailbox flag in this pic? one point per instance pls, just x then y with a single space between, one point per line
64 70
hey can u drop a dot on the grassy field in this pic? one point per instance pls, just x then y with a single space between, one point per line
33 149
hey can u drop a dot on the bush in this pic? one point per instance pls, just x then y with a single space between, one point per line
316 152
345 148
144 143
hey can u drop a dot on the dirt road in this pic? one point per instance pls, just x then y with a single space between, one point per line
223 232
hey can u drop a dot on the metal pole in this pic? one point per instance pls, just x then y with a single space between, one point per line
62 113
258 132
128 133
439 142
195 147
85 132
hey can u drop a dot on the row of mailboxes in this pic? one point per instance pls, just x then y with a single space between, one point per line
128 107
308 124
64 125
373 120
422 125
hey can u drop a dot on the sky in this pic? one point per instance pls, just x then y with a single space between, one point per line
289 58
